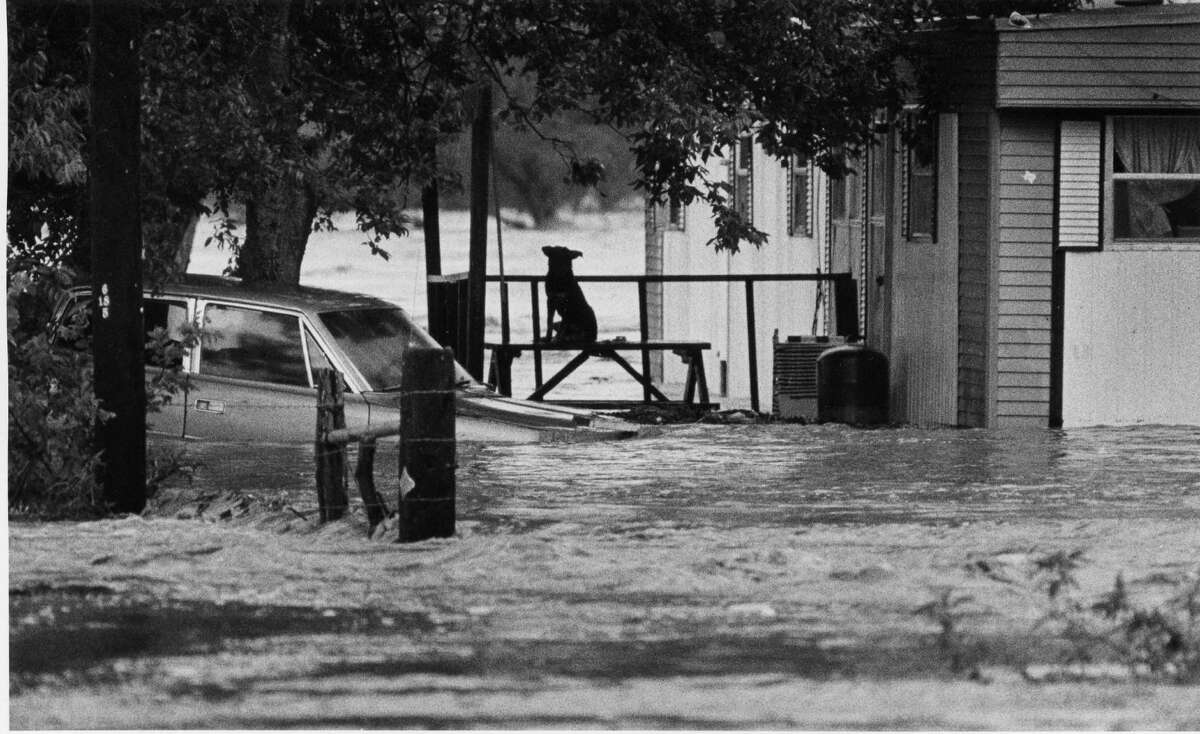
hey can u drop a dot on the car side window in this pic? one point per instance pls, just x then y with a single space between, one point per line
250 344
316 355
171 317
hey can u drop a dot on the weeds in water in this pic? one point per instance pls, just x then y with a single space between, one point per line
1157 642
1103 635
948 611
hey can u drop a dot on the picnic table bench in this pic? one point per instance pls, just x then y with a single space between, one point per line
695 390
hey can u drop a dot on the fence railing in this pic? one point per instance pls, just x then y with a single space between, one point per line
843 300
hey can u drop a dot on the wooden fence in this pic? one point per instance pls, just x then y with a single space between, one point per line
427 448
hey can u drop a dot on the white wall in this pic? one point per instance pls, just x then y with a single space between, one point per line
1131 350
716 312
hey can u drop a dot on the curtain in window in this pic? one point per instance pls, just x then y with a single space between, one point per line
1156 145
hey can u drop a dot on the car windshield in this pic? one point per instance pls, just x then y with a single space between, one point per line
375 338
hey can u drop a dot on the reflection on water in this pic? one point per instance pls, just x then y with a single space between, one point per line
783 475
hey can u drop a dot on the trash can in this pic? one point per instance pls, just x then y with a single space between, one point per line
852 386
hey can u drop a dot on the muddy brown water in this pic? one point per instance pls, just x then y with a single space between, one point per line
605 585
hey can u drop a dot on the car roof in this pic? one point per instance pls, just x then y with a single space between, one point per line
300 298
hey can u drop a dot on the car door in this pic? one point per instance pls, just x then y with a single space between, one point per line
164 357
251 378
171 313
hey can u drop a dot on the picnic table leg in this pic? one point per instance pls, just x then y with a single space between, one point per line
689 388
559 376
648 388
701 380
493 377
500 373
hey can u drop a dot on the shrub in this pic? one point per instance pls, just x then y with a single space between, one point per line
52 409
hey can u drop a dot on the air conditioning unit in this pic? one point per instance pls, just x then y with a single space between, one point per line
795 375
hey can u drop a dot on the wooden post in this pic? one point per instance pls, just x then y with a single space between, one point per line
118 336
427 447
433 244
535 310
364 477
481 129
332 500
751 344
644 333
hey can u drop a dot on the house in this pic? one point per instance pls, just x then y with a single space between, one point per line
1027 252
782 201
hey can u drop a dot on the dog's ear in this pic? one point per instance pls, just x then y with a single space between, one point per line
574 254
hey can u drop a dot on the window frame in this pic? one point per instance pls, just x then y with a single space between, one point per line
908 153
805 171
1110 178
189 308
741 174
676 216
301 322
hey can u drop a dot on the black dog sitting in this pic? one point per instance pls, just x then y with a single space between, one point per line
565 298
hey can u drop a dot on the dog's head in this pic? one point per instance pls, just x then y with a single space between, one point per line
560 260
561 254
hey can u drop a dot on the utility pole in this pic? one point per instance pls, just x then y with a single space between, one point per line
481 153
118 336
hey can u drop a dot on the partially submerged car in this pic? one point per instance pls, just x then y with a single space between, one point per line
250 376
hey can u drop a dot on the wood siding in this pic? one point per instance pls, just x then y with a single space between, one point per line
924 293
976 222
1090 61
1026 168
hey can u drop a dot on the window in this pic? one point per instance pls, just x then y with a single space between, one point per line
743 178
171 317
316 355
676 216
1155 178
844 194
250 344
920 180
799 199
375 340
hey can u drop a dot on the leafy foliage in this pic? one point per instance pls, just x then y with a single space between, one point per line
948 610
52 411
1160 641
47 115
345 104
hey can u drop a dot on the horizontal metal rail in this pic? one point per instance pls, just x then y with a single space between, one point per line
714 278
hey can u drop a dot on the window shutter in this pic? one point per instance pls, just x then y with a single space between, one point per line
1079 184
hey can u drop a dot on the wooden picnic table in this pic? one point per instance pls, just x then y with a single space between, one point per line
692 353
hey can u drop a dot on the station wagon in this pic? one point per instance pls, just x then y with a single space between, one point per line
250 376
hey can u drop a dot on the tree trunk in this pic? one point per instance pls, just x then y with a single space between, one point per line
281 205
278 221
168 247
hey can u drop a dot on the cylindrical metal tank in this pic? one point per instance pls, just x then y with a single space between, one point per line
852 386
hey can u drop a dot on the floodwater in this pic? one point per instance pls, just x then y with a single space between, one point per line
710 576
